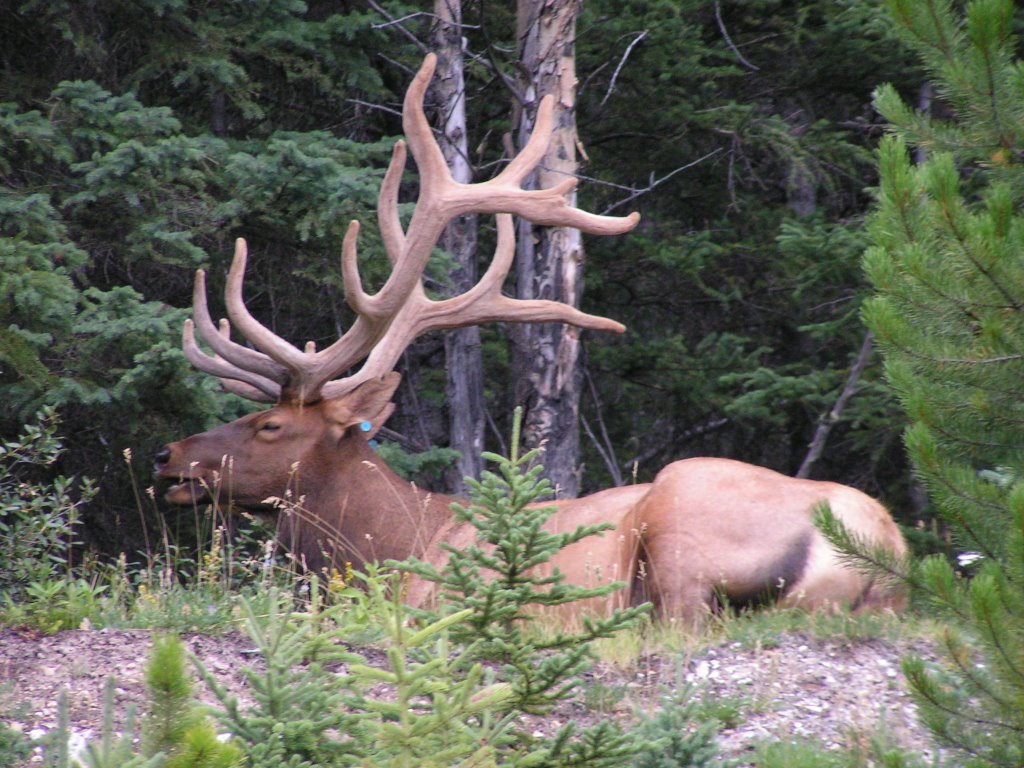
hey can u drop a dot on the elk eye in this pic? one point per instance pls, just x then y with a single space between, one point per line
270 426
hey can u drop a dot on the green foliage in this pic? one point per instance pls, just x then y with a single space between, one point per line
947 262
38 512
113 749
870 750
603 698
887 569
791 754
14 746
432 463
62 336
170 690
54 605
173 725
175 733
298 717
503 578
308 714
768 628
237 66
669 738
971 57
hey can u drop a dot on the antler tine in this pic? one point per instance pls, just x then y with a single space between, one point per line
259 335
529 157
482 303
387 204
386 301
503 193
236 354
258 387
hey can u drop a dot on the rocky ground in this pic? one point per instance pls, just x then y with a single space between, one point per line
837 693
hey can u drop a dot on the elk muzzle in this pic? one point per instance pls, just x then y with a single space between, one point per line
191 487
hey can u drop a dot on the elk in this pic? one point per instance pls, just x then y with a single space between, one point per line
717 529
690 536
313 444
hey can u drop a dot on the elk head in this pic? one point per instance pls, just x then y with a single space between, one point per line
316 411
246 460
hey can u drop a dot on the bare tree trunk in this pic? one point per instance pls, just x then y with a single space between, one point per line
464 366
829 420
549 262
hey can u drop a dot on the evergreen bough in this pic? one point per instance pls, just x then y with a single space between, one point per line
948 267
674 737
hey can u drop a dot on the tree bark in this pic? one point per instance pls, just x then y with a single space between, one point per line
549 262
463 362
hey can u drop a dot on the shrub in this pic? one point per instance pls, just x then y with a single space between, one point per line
38 514
675 737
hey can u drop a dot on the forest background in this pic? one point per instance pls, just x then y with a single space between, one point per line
137 140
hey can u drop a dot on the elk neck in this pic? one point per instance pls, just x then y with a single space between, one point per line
354 505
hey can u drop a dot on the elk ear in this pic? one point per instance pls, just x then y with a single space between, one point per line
369 402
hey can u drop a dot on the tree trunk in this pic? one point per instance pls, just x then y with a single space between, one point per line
549 261
829 420
464 367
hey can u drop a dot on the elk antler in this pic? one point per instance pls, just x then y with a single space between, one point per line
386 322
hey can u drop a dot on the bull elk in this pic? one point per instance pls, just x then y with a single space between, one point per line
691 535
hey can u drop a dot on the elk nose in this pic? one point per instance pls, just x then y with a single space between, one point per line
162 457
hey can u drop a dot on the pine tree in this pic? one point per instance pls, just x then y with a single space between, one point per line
948 266
174 725
504 580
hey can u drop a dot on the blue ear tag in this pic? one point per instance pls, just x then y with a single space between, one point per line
366 427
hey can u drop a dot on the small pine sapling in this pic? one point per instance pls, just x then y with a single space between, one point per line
171 711
500 579
174 726
298 715
675 736
437 709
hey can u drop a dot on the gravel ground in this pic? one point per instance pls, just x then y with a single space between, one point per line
836 693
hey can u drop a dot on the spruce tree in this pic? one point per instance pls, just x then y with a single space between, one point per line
947 263
501 579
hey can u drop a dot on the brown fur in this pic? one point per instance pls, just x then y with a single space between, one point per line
703 527
721 527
